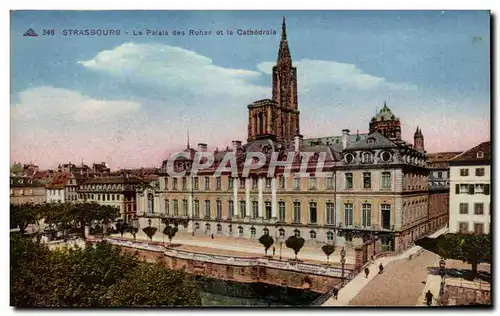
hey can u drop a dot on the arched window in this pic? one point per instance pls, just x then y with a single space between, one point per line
240 231
261 123
219 229
312 235
265 231
253 231
196 226
150 203
281 232
296 232
329 236
207 228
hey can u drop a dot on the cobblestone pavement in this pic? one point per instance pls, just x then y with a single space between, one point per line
401 284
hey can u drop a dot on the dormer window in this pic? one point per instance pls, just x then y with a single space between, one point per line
21 181
480 154
367 158
370 140
349 158
386 156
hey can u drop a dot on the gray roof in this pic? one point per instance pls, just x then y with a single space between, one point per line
373 141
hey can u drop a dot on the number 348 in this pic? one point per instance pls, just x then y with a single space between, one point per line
48 32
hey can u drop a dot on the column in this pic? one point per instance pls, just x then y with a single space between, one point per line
190 204
260 185
274 200
236 185
398 213
248 185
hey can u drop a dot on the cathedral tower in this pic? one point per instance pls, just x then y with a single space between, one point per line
386 124
418 140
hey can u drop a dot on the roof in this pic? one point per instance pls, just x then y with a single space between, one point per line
374 140
330 140
24 182
58 181
114 180
479 154
385 114
440 160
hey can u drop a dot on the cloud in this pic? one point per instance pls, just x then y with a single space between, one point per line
49 102
175 67
320 72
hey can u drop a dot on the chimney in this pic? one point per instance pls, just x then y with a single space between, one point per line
236 145
298 142
202 147
345 138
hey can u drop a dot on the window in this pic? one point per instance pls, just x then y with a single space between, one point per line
312 235
184 208
478 228
219 229
366 210
348 214
196 184
265 231
230 184
176 208
254 183
479 188
282 232
386 180
480 155
312 183
478 208
296 233
296 182
207 228
218 209
440 174
464 172
243 209
184 183
313 213
218 183
296 212
330 213
230 205
463 227
269 210
367 180
207 208
98 195
281 211
167 207
196 209
240 231
150 203
107 197
479 172
112 197
464 188
255 209
207 183
348 181
282 182
329 182
329 236
367 158
253 232
174 185
268 183
242 183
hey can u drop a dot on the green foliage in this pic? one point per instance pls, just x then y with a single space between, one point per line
22 215
267 241
328 249
150 231
170 232
121 226
97 276
295 243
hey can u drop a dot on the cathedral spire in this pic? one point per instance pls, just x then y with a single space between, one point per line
188 138
283 30
284 51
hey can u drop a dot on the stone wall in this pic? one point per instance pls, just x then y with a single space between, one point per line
455 295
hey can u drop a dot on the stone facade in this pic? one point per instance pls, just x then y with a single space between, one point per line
25 190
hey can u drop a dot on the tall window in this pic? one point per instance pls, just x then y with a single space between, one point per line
329 182
269 209
348 214
464 172
330 213
282 182
184 208
230 205
196 210
312 182
366 219
478 228
207 183
218 209
151 203
281 211
243 209
242 183
463 208
478 208
255 209
268 183
313 213
184 183
296 182
230 183
479 172
254 183
296 212
176 208
348 181
196 183
207 208
386 180
218 183
166 183
174 184
167 207
367 180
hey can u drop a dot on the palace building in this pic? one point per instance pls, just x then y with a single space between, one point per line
378 184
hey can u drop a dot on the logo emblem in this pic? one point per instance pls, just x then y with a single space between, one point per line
30 33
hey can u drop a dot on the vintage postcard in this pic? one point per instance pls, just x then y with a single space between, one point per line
250 158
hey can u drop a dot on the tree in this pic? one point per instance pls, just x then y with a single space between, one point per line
170 232
328 249
267 241
150 231
22 215
295 243
121 226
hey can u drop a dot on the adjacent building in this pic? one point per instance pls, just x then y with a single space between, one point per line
470 174
26 190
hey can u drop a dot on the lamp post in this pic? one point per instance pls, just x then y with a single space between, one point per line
281 240
442 271
342 260
135 226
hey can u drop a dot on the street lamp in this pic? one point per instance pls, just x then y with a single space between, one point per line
342 260
281 240
135 226
442 271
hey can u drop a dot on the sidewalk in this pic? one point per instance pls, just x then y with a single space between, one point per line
351 289
434 285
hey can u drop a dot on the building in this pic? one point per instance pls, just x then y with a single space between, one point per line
119 191
470 175
378 183
63 187
26 190
439 189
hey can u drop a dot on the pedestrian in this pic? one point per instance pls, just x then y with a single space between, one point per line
367 271
274 250
380 268
212 236
336 292
428 297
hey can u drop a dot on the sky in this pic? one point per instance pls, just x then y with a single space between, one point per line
130 99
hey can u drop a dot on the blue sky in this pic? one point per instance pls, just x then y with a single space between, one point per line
129 99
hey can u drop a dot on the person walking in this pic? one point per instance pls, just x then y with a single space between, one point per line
367 272
336 292
428 297
380 268
274 250
212 236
